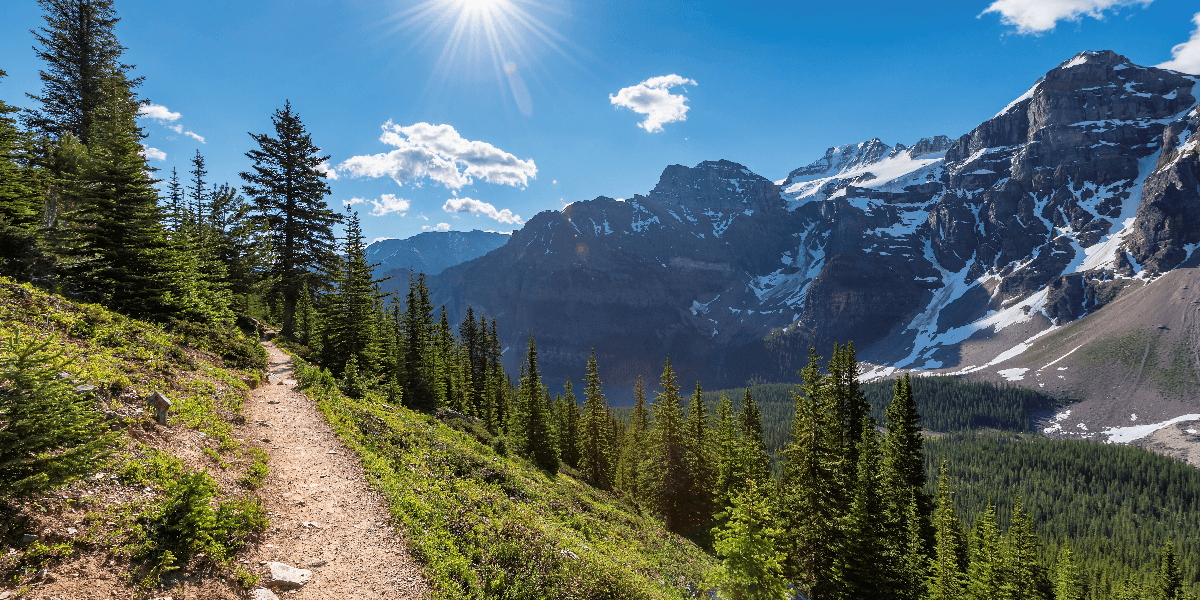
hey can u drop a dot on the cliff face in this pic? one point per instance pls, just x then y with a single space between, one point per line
1090 177
431 252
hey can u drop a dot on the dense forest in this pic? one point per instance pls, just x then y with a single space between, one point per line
852 509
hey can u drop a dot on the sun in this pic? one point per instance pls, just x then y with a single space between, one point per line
501 37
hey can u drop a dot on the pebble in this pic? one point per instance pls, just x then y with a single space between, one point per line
263 594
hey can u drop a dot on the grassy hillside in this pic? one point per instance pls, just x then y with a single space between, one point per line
486 525
171 502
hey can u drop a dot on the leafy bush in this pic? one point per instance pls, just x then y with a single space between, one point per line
186 522
237 350
49 434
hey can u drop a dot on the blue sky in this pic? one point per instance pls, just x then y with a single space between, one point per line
529 123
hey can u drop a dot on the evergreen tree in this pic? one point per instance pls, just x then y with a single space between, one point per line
112 245
569 429
985 575
289 195
306 316
1025 578
1068 582
530 433
197 192
903 448
175 202
50 435
351 318
1168 582
22 191
82 56
810 499
859 564
754 449
665 472
418 378
946 580
596 463
731 476
752 566
636 441
701 462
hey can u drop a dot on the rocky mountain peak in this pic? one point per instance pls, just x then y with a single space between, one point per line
716 185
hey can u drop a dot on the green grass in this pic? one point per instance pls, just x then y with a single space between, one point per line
1168 369
490 526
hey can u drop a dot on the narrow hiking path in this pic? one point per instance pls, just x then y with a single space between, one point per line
324 515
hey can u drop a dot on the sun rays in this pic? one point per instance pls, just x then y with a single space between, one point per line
501 38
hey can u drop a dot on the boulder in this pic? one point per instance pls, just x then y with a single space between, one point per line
288 577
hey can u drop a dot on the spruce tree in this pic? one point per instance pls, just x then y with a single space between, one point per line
985 575
1168 581
289 195
351 319
946 579
1025 578
664 477
22 192
82 54
636 442
530 432
1068 581
754 448
569 432
809 494
731 476
752 564
51 435
418 377
858 564
595 461
701 461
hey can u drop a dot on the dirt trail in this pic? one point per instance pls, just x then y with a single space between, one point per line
321 506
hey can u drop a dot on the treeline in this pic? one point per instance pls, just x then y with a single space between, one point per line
945 403
1113 503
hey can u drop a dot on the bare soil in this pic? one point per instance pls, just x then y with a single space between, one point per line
324 515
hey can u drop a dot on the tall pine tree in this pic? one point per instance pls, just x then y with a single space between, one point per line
289 194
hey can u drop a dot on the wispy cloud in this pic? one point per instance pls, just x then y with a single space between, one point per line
153 153
479 207
197 136
439 153
438 227
1039 16
385 205
653 98
157 112
1185 57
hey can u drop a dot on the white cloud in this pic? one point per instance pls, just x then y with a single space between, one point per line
176 128
198 137
1040 16
385 205
157 112
380 239
479 207
441 154
1185 57
438 227
329 171
653 99
153 153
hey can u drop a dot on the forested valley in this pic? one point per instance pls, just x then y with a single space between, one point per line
823 489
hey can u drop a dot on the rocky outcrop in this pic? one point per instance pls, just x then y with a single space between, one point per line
430 252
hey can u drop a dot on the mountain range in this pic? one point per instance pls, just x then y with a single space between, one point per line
1048 235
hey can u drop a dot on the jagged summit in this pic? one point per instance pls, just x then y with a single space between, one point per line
715 185
871 164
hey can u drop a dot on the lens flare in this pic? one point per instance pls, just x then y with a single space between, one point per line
504 37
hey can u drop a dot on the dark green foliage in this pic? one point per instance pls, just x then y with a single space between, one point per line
49 434
635 446
701 461
946 578
187 522
234 347
82 54
665 477
1117 505
529 430
288 193
597 464
947 404
351 323
22 194
1168 582
567 419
